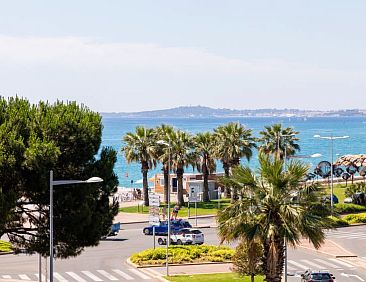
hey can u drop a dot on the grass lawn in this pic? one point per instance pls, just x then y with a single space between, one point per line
218 277
202 208
338 190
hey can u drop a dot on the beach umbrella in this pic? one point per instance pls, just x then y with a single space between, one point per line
324 169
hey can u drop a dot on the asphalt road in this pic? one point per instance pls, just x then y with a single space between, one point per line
107 262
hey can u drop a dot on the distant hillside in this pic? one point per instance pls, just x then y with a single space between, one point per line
204 112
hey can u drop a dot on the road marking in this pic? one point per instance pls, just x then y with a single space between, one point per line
153 272
138 273
352 275
43 277
6 276
24 277
124 275
59 277
298 264
106 274
327 263
342 263
76 277
91 275
313 264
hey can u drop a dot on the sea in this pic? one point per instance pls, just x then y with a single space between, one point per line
130 176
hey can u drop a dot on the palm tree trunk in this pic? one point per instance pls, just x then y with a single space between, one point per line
273 259
180 199
145 192
166 182
206 198
252 277
227 174
234 195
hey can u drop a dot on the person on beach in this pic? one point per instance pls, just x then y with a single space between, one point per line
134 194
175 211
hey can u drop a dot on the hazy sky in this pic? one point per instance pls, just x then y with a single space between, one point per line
141 55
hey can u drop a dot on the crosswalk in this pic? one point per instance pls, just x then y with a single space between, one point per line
319 264
98 275
342 234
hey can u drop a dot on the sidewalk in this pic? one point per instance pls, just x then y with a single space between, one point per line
329 247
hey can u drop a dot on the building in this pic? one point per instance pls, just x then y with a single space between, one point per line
192 184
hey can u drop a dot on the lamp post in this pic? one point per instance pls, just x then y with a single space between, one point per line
331 138
162 142
56 183
316 155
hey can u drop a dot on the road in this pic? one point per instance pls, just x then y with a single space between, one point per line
107 262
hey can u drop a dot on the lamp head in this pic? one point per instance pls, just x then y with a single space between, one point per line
316 155
316 136
94 180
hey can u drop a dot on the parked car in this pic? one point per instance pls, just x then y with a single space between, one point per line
187 236
348 200
162 228
317 276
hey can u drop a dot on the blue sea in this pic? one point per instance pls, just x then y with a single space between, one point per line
355 127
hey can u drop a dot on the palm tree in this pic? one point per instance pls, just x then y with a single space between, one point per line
233 141
204 148
279 141
181 156
164 132
140 147
269 214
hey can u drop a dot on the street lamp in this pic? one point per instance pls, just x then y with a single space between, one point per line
56 183
331 138
316 155
162 142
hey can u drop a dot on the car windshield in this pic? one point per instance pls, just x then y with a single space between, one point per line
320 276
186 224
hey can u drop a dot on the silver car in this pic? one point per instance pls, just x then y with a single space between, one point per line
317 276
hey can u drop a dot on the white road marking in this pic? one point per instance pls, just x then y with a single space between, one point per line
138 273
342 263
106 274
59 277
76 277
317 266
329 264
124 275
43 277
153 272
24 277
298 264
91 275
6 276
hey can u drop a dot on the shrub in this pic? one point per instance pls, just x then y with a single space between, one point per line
355 218
181 254
5 246
337 222
348 208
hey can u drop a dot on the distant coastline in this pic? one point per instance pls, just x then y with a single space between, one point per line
206 112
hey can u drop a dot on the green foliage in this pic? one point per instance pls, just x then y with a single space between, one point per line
183 254
5 246
355 218
337 222
348 208
355 188
65 138
248 258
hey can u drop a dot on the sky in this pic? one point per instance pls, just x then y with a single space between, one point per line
125 56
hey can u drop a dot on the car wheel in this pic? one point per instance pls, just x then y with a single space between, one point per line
147 231
160 241
179 242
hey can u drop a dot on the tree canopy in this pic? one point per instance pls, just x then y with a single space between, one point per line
65 138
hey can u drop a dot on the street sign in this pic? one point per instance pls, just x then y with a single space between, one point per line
193 199
154 200
154 220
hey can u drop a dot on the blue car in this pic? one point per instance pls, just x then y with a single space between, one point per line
162 228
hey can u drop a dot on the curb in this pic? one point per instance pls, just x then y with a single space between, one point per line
6 253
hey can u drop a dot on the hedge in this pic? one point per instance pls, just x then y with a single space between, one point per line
355 218
338 222
5 246
348 208
183 254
